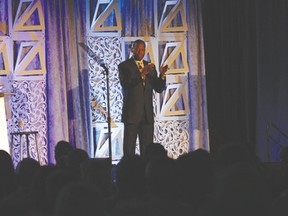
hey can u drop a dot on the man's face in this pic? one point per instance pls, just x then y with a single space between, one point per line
139 51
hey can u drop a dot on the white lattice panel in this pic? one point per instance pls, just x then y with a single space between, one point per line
173 12
29 16
102 141
30 58
175 56
175 101
27 34
106 18
172 119
5 53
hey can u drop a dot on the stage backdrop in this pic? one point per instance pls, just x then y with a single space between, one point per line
61 89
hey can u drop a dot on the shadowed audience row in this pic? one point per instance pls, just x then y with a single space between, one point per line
228 182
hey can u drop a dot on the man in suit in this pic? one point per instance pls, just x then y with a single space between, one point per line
138 79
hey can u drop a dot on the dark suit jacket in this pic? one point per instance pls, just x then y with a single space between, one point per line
138 99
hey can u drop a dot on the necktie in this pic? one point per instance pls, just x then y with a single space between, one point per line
140 67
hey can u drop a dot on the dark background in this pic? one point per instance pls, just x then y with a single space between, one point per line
246 55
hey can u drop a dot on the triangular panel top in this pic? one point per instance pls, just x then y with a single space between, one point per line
26 10
178 11
100 21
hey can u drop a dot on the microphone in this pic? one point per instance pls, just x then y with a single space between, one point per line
102 64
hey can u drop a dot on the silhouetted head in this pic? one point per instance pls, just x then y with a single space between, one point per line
7 174
154 150
75 159
25 172
160 176
62 149
194 175
97 171
130 174
6 164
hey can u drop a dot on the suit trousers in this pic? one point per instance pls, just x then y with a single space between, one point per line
144 130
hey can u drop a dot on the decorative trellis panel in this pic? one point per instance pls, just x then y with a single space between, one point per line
22 51
5 53
176 143
107 49
28 113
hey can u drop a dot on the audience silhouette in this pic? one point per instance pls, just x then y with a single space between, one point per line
198 183
195 178
130 196
61 151
77 199
21 200
7 173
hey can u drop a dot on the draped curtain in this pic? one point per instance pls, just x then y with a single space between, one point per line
198 119
246 63
230 60
67 76
272 73
137 17
68 105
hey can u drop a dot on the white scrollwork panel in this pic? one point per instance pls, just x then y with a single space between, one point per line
173 135
108 50
28 107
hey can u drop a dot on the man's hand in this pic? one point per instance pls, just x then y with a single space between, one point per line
163 70
147 68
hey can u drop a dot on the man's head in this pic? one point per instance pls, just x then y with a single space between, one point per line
62 149
139 49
